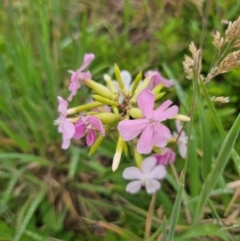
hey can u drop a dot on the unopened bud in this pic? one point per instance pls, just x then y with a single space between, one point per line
85 107
105 100
107 117
136 113
99 88
182 118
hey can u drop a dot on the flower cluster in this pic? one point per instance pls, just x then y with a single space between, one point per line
131 113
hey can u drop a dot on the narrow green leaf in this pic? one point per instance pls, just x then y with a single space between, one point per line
36 199
25 158
203 230
176 209
76 154
218 123
218 167
205 138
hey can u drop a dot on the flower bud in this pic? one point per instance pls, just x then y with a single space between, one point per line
85 107
107 118
136 113
118 154
99 88
118 77
136 82
182 118
104 100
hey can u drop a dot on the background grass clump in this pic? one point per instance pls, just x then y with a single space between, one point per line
50 194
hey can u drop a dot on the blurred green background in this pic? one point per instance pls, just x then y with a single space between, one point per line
50 194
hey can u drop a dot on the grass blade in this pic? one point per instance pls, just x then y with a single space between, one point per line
218 167
33 206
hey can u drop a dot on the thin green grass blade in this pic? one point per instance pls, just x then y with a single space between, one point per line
26 158
218 123
176 209
205 139
211 230
218 167
76 154
36 199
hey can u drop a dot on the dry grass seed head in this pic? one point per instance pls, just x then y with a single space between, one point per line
233 30
218 41
231 61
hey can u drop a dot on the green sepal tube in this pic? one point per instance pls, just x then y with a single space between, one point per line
110 84
136 113
140 87
107 117
157 89
95 146
138 158
85 107
118 77
125 148
159 96
99 89
136 82
104 100
118 153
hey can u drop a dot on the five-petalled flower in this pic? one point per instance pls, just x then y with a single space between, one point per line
87 126
182 139
147 176
65 126
153 132
166 157
80 75
157 78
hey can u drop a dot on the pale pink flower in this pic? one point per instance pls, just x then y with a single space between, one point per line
168 156
147 176
156 79
153 132
80 75
182 139
88 126
65 126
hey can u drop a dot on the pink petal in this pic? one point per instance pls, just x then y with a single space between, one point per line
162 135
88 58
134 186
152 186
148 164
66 143
80 129
96 123
62 106
73 87
91 137
145 102
158 172
169 113
182 149
159 112
84 75
68 130
129 129
131 173
145 142
165 158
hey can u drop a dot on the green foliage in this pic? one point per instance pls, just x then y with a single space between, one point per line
50 194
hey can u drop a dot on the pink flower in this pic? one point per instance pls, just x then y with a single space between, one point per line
88 125
147 176
182 139
156 78
80 75
153 132
65 126
168 156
